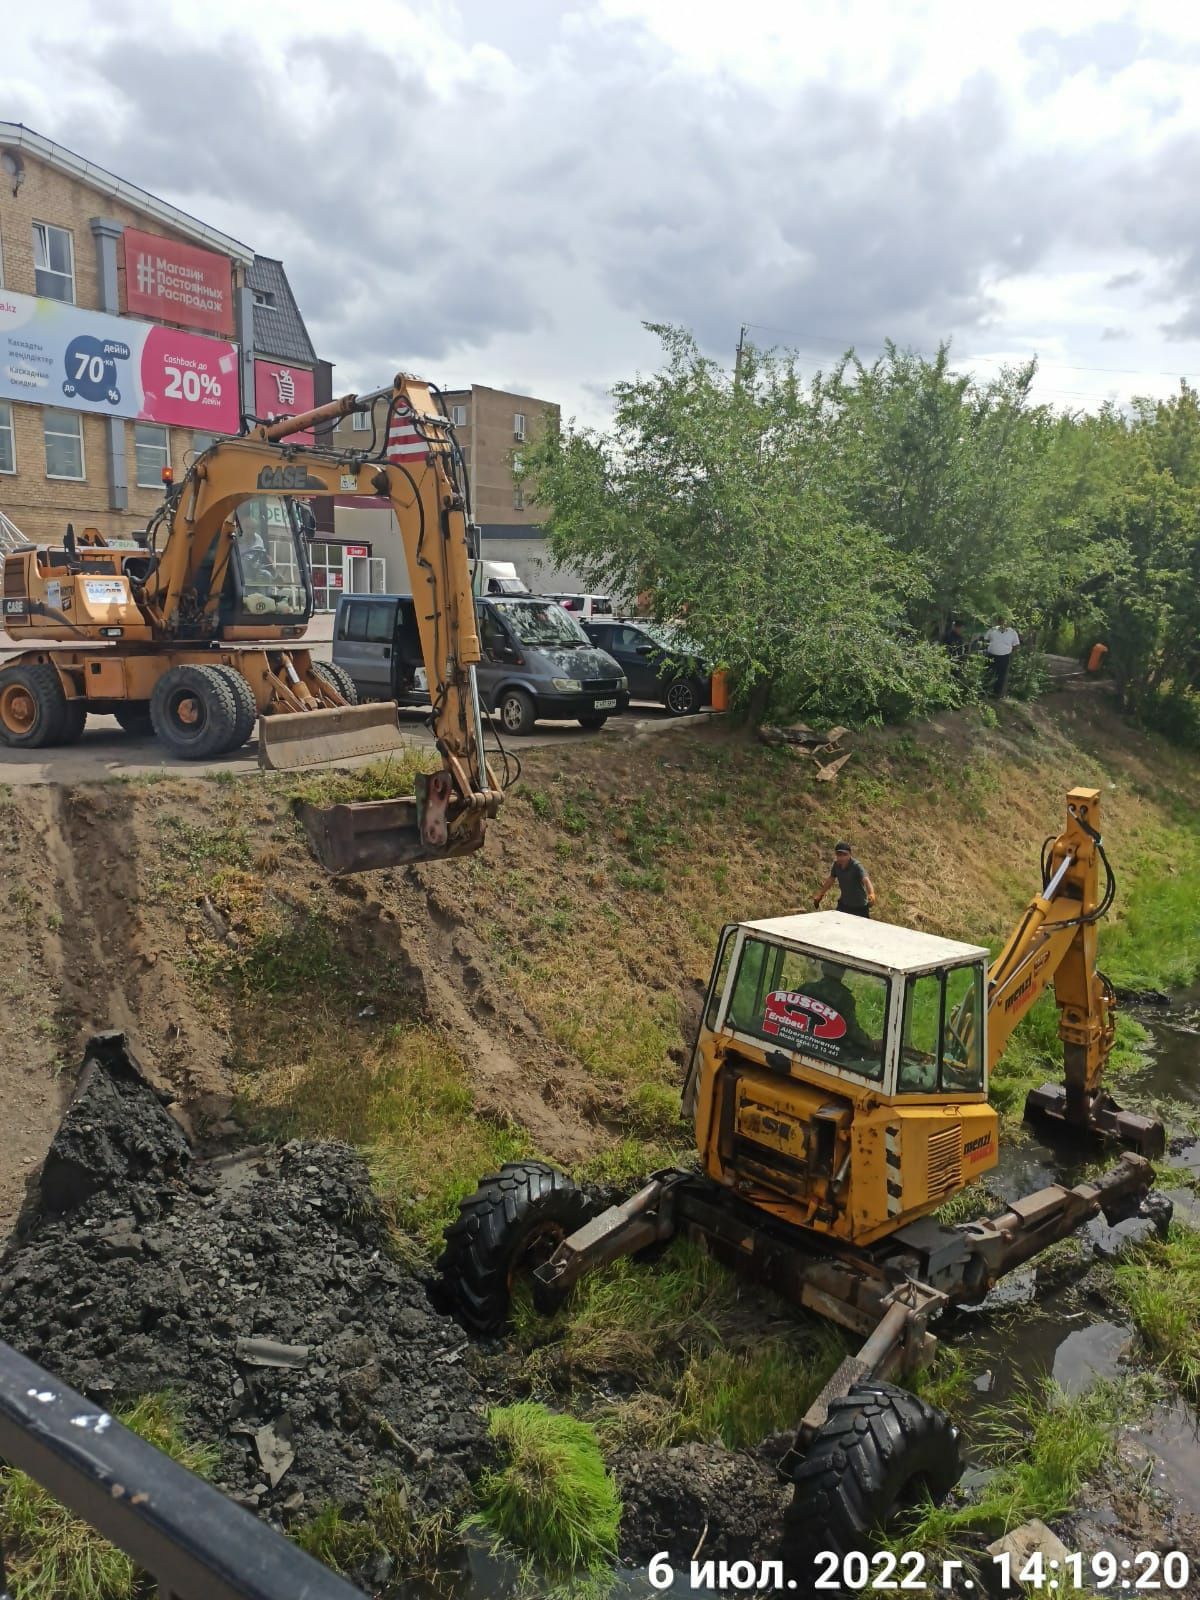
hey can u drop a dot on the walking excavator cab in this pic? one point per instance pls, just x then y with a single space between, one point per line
838 1088
195 632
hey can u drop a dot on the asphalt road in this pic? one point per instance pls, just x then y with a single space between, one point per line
105 751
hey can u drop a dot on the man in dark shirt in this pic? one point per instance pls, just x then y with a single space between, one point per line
856 892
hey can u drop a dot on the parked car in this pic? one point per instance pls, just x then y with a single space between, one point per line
658 661
500 577
537 661
584 606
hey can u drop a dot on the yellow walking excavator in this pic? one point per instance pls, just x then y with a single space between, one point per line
839 1093
196 633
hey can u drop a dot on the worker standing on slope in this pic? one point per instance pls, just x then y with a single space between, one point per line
856 892
1000 642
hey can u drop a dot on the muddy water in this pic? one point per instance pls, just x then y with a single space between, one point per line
1174 1048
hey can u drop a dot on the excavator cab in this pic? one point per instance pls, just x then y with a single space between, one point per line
269 573
839 1079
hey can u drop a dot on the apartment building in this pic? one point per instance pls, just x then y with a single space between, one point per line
131 335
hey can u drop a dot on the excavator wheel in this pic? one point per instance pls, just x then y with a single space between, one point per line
193 712
134 718
33 706
337 678
880 1450
513 1222
74 718
244 703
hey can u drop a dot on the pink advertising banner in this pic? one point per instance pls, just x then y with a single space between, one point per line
283 391
55 354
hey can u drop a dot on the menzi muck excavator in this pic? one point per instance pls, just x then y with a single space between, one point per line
197 635
839 1092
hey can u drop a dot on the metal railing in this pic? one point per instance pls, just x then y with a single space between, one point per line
194 1541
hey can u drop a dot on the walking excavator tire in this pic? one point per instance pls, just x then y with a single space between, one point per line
879 1450
513 1222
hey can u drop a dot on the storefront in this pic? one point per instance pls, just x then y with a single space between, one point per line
339 568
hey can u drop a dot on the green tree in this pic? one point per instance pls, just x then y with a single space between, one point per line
714 499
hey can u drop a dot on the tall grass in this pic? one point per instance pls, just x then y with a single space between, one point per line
552 1498
1161 1290
388 1527
53 1555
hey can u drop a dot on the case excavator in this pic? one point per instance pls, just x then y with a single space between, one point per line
838 1089
196 632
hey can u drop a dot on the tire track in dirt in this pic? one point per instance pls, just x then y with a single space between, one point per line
517 1074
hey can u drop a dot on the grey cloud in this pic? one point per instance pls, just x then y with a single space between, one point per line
1125 280
419 222
1108 47
1113 335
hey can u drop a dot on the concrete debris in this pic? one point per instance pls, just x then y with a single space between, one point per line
274 1445
1020 1544
802 741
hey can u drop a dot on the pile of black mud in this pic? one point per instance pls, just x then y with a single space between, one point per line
258 1288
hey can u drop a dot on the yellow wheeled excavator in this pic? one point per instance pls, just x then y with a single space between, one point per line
197 633
838 1089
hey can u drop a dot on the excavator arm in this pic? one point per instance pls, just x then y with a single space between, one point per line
1055 942
446 815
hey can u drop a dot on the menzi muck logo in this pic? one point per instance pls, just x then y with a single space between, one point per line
976 1149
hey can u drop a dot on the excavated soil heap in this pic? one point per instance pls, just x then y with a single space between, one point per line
258 1288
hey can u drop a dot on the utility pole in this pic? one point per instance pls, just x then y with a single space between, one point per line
737 364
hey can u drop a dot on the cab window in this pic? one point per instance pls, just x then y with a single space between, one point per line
941 1043
793 1001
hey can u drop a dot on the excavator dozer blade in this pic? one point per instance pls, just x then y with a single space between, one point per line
291 739
1105 1119
366 834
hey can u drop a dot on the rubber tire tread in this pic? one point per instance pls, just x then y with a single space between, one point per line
220 706
697 699
134 718
74 719
44 683
337 678
876 1440
244 703
492 1226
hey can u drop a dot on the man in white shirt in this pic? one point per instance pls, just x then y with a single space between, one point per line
1000 641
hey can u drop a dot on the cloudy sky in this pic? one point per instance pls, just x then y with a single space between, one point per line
503 191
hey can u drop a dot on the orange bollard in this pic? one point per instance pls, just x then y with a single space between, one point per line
720 692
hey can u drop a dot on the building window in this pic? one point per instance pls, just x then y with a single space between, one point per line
202 442
518 424
53 262
360 421
518 497
327 577
458 416
263 297
63 431
152 453
8 439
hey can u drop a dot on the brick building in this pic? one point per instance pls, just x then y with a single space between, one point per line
492 425
131 334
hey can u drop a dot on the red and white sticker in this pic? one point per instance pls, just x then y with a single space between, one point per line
791 1013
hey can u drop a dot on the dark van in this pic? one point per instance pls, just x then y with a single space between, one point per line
537 660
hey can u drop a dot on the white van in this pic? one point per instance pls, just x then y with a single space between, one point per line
583 607
500 577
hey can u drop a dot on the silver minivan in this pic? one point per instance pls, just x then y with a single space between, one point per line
537 661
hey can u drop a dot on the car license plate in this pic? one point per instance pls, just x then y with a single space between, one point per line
605 705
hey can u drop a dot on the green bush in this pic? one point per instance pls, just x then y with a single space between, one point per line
552 1498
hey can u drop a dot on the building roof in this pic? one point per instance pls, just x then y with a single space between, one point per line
862 939
16 136
278 326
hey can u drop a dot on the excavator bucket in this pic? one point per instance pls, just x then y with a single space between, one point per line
366 834
1103 1118
291 739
